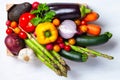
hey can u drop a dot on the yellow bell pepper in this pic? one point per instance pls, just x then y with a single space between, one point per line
46 33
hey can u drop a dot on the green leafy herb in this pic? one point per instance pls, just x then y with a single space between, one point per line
43 14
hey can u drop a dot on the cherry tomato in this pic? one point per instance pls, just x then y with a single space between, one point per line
22 35
67 48
24 20
59 40
8 22
9 31
71 41
35 5
83 22
62 45
56 22
82 28
13 24
17 30
56 48
77 22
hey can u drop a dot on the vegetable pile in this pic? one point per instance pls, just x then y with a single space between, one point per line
52 31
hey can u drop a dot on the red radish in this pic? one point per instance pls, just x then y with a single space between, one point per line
35 5
62 45
49 46
8 23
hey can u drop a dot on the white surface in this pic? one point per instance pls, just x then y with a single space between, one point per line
94 69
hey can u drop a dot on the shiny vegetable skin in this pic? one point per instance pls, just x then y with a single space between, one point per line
15 11
66 10
74 55
14 43
93 40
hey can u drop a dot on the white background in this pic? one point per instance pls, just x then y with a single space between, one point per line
94 69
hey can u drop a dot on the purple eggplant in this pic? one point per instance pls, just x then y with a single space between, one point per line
17 9
69 10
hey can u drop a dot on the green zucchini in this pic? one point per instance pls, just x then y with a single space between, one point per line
74 55
93 40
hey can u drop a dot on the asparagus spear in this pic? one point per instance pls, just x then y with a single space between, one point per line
90 51
58 57
37 51
47 53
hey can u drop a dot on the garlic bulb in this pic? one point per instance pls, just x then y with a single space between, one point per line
26 54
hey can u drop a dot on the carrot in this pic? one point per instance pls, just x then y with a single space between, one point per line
93 29
93 16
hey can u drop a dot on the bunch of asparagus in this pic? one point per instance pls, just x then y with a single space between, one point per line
50 58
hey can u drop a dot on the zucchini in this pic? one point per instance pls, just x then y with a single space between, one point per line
74 55
93 40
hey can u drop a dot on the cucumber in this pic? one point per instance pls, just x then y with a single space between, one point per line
93 40
74 55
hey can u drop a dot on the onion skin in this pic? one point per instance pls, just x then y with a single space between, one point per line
67 29
14 43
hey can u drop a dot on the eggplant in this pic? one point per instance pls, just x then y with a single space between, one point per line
68 10
17 9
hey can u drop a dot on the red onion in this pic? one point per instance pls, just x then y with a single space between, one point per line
67 29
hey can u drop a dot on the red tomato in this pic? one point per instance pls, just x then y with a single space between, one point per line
83 22
22 35
59 40
67 48
24 21
30 27
62 45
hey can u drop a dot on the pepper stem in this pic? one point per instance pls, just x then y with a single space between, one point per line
47 33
